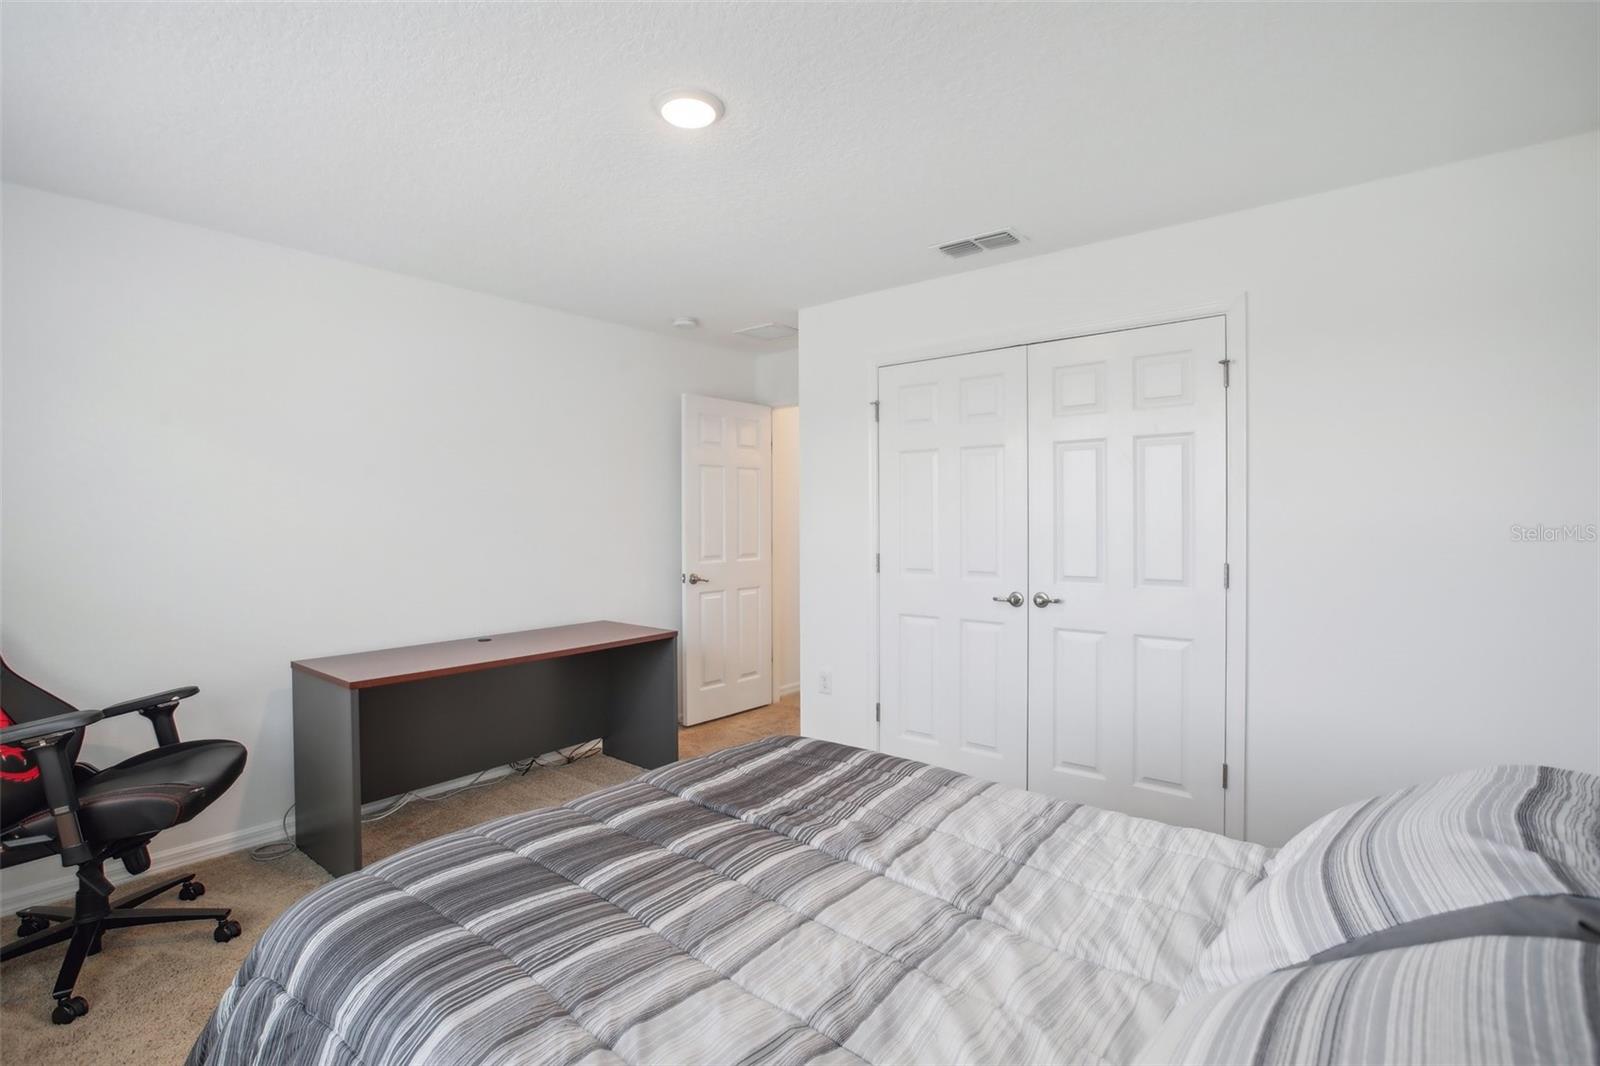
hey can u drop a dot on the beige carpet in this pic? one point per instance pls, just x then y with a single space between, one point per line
150 990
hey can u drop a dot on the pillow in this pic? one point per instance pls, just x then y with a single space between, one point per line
1475 838
1466 1002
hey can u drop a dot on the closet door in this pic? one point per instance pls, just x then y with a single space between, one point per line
1127 516
953 617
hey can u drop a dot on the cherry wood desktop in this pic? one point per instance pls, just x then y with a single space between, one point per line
377 724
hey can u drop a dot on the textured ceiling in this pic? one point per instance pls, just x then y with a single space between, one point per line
512 149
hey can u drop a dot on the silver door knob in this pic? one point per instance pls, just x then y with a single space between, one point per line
1015 599
695 579
1041 600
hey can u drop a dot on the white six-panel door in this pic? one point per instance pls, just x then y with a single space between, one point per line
727 558
1088 475
953 539
1128 517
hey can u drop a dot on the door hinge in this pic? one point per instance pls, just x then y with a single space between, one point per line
1225 364
877 563
877 712
1225 575
1224 775
874 410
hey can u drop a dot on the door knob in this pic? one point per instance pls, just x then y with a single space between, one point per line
1015 599
1041 600
695 579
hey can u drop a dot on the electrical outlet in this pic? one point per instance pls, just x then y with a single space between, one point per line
825 682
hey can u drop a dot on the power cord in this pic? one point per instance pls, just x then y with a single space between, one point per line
277 849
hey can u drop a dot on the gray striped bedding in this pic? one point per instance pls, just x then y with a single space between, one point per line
1392 863
1471 1002
800 901
788 901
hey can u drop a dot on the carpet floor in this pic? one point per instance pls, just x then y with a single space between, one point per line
151 990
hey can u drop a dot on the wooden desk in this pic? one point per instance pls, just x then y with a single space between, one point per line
381 723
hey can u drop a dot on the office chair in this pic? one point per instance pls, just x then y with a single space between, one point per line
51 804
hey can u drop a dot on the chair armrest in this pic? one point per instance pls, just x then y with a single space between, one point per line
150 703
46 740
43 730
159 709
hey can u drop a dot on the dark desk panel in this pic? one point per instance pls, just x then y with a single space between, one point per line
378 724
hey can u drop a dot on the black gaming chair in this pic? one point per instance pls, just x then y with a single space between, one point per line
51 804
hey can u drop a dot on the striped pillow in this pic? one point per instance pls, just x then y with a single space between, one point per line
1475 838
1469 1002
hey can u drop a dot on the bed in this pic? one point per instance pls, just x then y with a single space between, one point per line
794 900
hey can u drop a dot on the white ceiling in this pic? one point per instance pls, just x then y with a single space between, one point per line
512 148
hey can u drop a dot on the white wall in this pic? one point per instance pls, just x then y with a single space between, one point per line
778 376
221 455
1422 376
786 549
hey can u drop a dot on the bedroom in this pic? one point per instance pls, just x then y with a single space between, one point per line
1272 443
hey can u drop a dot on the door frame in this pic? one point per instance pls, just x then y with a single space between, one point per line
1234 312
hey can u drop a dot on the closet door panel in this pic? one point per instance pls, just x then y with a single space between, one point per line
1127 518
953 537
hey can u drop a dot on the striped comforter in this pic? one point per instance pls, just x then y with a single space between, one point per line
788 901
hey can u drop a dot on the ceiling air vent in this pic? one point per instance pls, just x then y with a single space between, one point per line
768 331
959 249
988 242
1003 239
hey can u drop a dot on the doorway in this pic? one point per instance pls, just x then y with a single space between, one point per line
740 573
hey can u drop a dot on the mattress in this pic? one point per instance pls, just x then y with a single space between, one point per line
791 900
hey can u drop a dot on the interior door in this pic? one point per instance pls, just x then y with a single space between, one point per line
954 548
1127 517
727 558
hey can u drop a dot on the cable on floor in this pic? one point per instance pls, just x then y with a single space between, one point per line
277 849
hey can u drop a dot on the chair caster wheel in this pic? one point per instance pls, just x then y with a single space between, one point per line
30 926
225 931
191 890
69 1010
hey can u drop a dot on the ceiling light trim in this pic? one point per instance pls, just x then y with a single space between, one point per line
689 109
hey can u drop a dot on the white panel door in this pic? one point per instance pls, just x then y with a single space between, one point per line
727 558
954 546
1127 519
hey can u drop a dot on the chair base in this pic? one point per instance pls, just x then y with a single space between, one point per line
85 923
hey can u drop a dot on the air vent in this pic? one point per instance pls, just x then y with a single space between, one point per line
988 242
960 249
1003 239
768 331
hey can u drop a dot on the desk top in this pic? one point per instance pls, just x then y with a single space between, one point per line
391 666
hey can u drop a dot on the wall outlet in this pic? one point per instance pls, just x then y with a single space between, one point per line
825 682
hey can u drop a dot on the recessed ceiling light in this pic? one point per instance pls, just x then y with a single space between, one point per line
686 322
689 109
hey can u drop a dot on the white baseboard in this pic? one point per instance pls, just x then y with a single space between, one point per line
789 689
64 883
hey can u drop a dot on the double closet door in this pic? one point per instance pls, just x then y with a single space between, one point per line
1052 533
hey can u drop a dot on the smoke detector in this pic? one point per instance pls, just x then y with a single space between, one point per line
985 242
768 331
